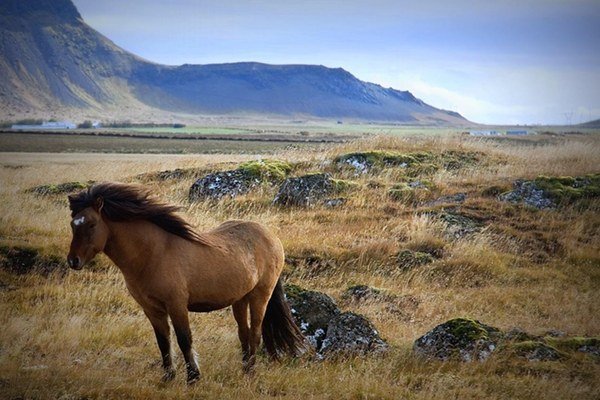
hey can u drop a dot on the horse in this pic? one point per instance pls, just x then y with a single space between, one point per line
170 269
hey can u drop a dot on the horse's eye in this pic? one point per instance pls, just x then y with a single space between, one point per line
92 225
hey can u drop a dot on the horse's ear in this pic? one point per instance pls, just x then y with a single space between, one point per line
71 198
98 204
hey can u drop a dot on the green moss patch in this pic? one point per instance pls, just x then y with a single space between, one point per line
60 188
566 189
271 170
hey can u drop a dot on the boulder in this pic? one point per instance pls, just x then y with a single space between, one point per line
534 350
331 332
350 334
548 192
459 339
310 190
528 192
222 184
460 226
232 183
312 312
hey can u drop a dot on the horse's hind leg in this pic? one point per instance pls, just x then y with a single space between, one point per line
240 313
258 305
179 318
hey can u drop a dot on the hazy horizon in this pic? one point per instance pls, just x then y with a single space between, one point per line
511 62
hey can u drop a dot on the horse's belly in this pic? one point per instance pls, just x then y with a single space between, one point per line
205 306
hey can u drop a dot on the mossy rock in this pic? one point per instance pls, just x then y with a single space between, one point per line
270 170
311 311
461 339
408 259
60 188
365 161
589 345
310 190
566 189
534 350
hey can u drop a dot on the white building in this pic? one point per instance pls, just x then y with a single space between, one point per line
46 126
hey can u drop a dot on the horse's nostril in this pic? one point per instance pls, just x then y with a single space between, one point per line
73 262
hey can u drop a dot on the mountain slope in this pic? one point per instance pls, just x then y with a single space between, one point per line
50 59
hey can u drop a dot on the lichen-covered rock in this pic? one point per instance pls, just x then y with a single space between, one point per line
408 259
222 184
329 331
312 312
232 183
588 345
460 339
549 192
459 226
412 192
529 193
309 190
535 351
335 202
350 334
363 162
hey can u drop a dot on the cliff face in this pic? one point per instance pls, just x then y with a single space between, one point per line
50 57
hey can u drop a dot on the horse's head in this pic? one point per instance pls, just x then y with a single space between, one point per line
90 234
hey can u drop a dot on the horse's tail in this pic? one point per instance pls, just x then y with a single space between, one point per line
280 333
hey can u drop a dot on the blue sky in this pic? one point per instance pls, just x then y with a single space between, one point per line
503 61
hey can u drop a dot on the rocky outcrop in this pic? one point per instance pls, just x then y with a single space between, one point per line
459 339
459 226
527 192
232 183
225 184
310 190
467 340
351 334
331 332
550 192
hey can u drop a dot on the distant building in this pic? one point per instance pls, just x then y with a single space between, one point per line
484 133
46 126
517 132
96 124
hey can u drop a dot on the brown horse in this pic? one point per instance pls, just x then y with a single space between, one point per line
170 269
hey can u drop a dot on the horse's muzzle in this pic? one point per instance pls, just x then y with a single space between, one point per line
75 262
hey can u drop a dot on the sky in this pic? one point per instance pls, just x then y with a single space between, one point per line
494 61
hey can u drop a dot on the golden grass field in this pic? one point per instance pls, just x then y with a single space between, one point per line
80 335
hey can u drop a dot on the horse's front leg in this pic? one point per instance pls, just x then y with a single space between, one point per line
160 323
179 318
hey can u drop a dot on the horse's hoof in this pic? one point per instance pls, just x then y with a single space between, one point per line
169 375
193 377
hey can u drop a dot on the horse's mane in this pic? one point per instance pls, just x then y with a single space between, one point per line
127 202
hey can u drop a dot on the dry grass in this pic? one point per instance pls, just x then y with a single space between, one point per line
81 335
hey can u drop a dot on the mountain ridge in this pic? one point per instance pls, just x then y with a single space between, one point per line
51 60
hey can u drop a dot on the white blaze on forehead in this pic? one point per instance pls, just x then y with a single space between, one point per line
78 221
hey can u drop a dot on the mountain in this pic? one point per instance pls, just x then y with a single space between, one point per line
595 124
51 61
